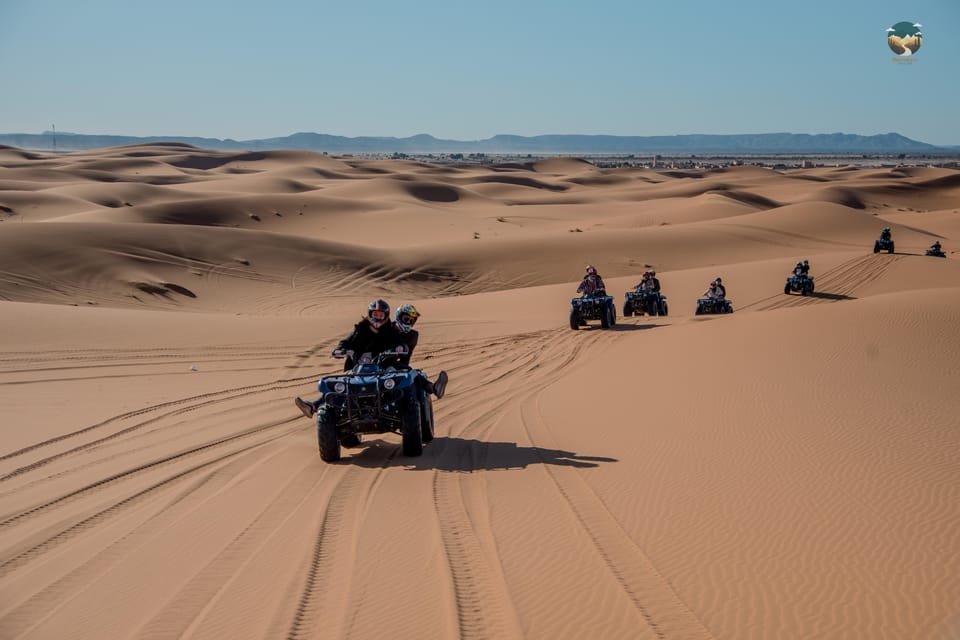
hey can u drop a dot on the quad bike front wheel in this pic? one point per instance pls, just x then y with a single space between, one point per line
327 440
574 319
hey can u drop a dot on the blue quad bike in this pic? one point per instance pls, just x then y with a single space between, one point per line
937 253
373 398
644 302
803 284
883 245
592 307
713 305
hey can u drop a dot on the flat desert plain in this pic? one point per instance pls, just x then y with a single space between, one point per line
791 470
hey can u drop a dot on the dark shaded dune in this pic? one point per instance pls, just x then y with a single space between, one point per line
847 197
118 194
109 177
604 180
520 181
207 162
441 170
165 146
267 212
942 182
42 205
683 174
119 165
11 153
210 213
746 197
513 166
333 175
433 192
136 265
808 177
366 169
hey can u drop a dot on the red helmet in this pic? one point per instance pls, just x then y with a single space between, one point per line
378 313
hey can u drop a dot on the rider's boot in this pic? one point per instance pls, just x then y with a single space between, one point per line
437 387
306 407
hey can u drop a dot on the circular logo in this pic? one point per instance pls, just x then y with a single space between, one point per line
904 38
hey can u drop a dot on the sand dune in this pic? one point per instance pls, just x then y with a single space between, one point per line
788 471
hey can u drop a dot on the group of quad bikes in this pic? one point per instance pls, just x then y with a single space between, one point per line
378 396
602 308
638 303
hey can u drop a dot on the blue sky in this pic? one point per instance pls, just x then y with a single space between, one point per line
470 70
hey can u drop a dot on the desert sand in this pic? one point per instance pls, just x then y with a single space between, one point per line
790 471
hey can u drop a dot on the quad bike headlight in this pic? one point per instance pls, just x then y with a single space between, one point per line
339 387
389 383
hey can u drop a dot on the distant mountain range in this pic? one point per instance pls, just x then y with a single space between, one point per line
548 144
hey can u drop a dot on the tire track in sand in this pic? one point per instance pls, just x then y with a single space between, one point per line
651 594
479 587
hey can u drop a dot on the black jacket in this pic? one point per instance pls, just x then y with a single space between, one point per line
409 340
364 339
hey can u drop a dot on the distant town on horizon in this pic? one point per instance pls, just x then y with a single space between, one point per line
763 143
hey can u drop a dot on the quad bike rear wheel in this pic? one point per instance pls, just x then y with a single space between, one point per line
426 417
410 429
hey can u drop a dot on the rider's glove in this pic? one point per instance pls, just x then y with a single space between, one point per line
401 349
341 353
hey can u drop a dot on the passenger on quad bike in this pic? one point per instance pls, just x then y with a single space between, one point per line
716 291
649 283
802 270
404 318
885 234
375 334
592 283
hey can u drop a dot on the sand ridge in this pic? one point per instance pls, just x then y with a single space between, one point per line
787 471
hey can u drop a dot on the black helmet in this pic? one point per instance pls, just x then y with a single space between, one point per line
377 320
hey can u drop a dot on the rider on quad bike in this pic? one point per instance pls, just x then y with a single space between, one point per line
376 334
592 283
716 291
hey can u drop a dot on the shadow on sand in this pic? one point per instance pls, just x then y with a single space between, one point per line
464 456
829 296
622 326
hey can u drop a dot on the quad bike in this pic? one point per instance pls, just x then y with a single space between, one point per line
713 305
883 245
592 307
641 302
801 283
373 397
